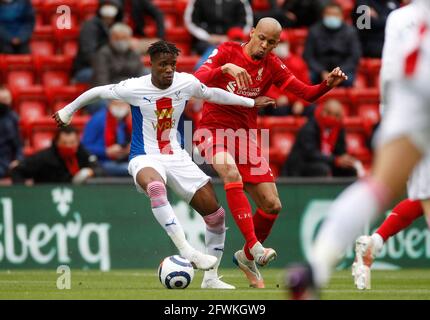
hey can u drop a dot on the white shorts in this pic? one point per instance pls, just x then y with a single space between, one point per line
178 171
407 115
419 181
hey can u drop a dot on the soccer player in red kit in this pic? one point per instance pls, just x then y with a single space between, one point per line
249 70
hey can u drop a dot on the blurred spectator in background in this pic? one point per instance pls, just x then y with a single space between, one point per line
10 144
286 103
209 20
116 61
142 8
320 147
93 35
331 43
17 21
372 39
293 13
107 135
65 161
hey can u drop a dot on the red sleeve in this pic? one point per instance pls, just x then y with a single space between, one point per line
211 69
284 79
304 91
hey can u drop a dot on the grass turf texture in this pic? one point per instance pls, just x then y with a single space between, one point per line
144 284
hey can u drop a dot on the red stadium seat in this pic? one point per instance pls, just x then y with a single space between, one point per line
360 81
180 6
67 40
59 24
260 5
185 47
340 94
87 9
297 38
167 6
58 97
42 47
282 141
178 34
186 63
43 130
17 70
42 139
276 122
369 111
49 8
356 146
371 67
31 110
54 71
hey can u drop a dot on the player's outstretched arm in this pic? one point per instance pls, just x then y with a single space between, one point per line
223 97
64 116
311 93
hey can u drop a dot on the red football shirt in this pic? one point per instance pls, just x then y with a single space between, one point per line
270 70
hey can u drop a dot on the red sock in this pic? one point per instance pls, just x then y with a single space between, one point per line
263 223
241 210
402 216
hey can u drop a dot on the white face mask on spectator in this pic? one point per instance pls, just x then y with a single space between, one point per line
282 50
121 45
108 11
119 112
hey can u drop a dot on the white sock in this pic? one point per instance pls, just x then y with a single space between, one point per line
168 220
215 238
352 210
214 247
378 241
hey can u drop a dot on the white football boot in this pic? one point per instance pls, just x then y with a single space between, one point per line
262 256
215 283
200 260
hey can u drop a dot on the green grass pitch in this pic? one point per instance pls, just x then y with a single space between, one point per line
144 284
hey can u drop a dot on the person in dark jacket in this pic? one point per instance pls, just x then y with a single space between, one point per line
108 135
116 61
17 21
293 13
208 21
142 8
65 161
320 147
10 143
332 43
372 38
93 35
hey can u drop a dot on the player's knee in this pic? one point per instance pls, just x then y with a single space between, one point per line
157 193
215 222
231 175
272 205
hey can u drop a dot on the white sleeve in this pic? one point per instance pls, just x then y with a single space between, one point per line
390 58
219 96
111 92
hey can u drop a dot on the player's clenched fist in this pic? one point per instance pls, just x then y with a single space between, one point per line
262 102
243 79
336 77
61 118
